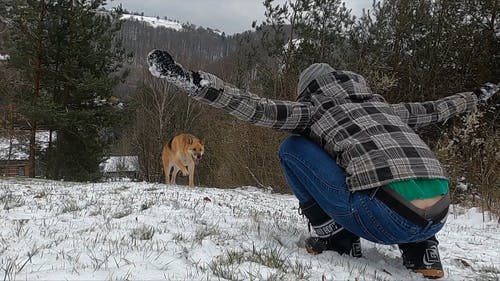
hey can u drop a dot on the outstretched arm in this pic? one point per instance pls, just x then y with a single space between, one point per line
280 115
425 113
209 89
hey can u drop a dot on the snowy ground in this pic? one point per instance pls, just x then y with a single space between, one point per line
138 231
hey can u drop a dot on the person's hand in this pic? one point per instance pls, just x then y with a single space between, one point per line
162 65
486 91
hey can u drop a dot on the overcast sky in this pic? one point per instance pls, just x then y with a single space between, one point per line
230 16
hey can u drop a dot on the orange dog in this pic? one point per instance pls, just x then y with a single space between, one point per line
182 153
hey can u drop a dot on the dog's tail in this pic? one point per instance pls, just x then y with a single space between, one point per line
169 144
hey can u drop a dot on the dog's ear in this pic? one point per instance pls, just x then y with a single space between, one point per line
189 140
202 141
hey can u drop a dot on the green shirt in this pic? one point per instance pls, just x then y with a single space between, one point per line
420 188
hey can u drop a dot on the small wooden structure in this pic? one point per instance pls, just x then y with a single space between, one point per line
121 167
14 168
14 154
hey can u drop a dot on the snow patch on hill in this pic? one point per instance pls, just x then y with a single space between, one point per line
154 22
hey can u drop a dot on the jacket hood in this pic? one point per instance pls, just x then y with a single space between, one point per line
338 84
312 72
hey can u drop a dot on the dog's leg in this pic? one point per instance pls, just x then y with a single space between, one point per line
166 172
191 175
181 166
168 178
174 174
166 164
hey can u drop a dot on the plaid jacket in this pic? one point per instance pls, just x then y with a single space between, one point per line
371 139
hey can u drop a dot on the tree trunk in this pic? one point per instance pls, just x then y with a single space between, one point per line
32 150
36 94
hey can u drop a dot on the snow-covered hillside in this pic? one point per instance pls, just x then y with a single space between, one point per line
139 231
154 22
157 22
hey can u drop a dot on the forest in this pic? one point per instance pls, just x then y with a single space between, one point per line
79 71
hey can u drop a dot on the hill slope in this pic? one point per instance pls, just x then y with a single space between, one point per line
139 231
195 46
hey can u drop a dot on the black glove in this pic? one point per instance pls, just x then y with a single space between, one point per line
486 91
162 65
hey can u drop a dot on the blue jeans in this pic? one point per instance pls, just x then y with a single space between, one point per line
315 176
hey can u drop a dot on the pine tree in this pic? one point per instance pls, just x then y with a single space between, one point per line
298 33
433 48
86 56
323 30
76 61
27 51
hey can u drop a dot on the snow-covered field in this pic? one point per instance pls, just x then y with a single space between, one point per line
140 231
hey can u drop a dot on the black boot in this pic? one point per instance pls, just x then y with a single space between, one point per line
331 236
423 257
344 243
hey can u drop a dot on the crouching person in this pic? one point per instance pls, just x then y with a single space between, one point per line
355 163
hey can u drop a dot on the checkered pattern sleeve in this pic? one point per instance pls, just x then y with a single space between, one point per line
425 113
280 115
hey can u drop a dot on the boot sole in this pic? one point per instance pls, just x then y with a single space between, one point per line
431 273
311 250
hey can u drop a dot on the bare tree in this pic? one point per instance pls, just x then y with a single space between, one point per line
161 112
